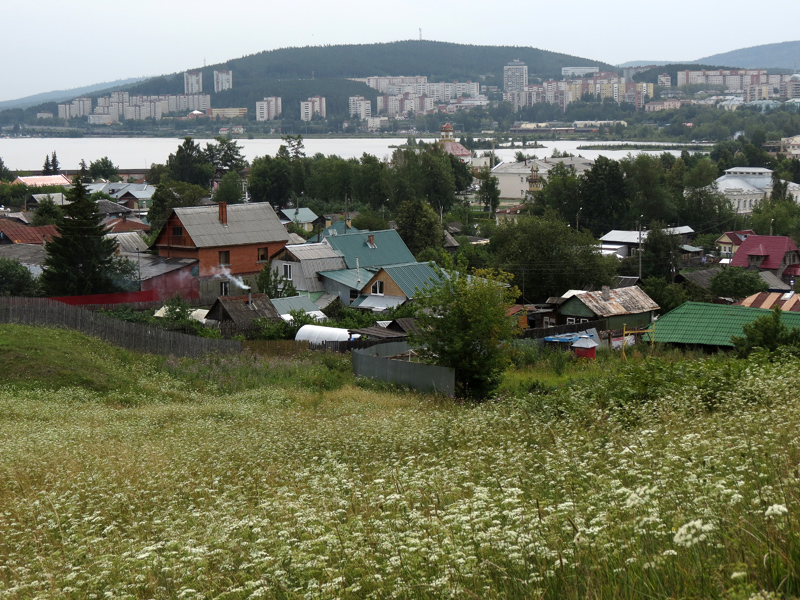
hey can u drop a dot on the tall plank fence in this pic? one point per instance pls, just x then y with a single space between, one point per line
133 336
376 362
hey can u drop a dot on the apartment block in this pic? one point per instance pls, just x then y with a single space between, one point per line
360 107
515 76
223 80
313 106
382 84
268 109
193 82
228 113
578 71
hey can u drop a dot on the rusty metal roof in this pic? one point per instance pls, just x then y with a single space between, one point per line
622 301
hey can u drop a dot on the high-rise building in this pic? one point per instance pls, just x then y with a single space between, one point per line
360 107
269 109
515 76
192 82
223 80
313 106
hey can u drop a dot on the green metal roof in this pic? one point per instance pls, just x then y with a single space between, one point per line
286 305
710 324
413 276
388 249
350 277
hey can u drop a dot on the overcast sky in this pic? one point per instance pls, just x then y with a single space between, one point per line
53 45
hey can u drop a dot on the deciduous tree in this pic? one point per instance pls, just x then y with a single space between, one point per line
735 282
463 324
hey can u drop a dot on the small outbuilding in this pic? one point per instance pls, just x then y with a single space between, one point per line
585 347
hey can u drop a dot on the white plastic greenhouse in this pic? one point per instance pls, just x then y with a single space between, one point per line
317 334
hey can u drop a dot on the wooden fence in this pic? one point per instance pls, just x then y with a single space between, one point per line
274 348
133 336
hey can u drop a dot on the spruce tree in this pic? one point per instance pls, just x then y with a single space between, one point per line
54 164
47 169
80 260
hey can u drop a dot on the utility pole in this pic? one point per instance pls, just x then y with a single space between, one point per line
639 226
578 219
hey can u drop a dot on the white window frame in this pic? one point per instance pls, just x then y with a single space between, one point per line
287 271
224 288
377 288
570 320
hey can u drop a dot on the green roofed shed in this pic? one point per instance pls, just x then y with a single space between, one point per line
699 323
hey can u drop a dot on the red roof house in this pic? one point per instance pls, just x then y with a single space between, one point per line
14 232
728 243
777 253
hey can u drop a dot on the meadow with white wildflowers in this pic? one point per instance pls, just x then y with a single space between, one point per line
652 480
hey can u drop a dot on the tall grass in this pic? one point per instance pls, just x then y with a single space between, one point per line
606 488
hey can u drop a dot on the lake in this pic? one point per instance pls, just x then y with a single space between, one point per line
28 154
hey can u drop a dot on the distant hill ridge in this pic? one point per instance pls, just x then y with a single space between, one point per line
297 71
783 55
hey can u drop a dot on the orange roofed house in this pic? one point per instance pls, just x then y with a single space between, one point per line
232 242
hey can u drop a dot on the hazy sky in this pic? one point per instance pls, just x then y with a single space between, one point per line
53 45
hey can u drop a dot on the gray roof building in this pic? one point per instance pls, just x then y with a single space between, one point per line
253 223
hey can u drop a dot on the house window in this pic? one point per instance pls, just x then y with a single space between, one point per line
224 288
584 320
287 271
224 258
570 320
177 231
263 254
377 288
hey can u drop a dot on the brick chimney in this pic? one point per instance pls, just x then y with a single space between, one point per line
371 240
223 213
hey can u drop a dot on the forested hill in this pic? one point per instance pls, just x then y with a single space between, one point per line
783 55
297 73
440 61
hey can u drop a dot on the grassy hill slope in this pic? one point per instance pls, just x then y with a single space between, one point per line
658 479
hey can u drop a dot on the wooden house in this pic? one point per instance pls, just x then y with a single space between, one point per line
628 306
237 313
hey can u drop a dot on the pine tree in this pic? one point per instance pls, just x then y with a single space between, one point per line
47 169
54 164
80 260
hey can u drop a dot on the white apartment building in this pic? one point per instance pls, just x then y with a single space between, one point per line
193 82
360 107
382 83
578 71
268 109
188 102
313 106
664 80
80 107
515 76
223 80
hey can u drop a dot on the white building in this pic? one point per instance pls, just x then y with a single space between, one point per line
578 71
223 80
268 109
193 82
313 106
515 76
745 187
360 107
512 177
